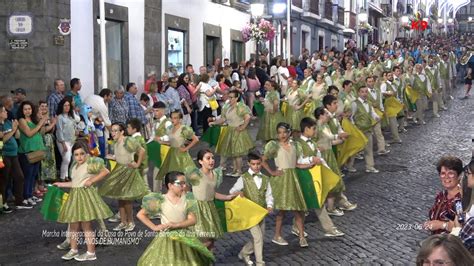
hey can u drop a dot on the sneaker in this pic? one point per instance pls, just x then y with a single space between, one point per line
348 206
444 108
296 232
85 256
334 233
396 141
351 169
31 201
130 227
235 174
371 170
7 209
387 144
303 242
335 212
24 206
403 130
280 241
451 97
245 258
70 255
64 245
437 115
36 199
115 218
359 157
120 227
384 152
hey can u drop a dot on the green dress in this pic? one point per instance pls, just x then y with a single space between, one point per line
124 183
177 160
271 118
286 188
176 247
48 164
208 224
293 116
235 143
84 203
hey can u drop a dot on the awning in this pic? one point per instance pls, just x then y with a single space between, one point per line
350 31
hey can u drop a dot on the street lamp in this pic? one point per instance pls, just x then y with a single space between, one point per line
363 17
257 9
440 20
450 20
278 8
405 19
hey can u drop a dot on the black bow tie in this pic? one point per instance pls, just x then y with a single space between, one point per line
254 175
309 141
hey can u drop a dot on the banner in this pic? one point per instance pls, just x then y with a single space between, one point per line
412 94
392 107
316 183
52 203
259 108
353 144
239 214
211 135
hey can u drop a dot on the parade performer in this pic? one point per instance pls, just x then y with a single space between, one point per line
161 125
375 99
389 92
175 242
256 187
204 181
272 115
125 183
286 188
178 157
236 141
297 100
84 203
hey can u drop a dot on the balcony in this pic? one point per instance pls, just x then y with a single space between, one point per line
311 8
387 9
328 10
352 20
297 3
340 15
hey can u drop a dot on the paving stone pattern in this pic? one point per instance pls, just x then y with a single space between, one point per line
383 230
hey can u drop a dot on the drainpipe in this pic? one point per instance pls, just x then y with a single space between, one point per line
103 49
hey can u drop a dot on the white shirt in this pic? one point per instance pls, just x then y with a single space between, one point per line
168 124
423 78
99 109
239 186
383 87
203 98
283 71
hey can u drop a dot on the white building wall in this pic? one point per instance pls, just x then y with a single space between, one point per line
203 11
82 42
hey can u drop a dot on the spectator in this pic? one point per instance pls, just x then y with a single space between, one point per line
74 93
56 96
443 250
134 108
65 134
48 165
467 231
253 85
442 214
7 102
283 74
206 92
18 98
100 106
173 96
118 108
185 96
150 82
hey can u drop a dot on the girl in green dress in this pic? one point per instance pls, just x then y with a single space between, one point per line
205 181
178 157
84 203
272 115
125 183
285 184
175 243
236 141
296 102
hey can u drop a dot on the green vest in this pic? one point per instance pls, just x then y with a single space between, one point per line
161 130
375 101
391 88
306 149
399 86
333 125
252 192
363 119
304 85
418 85
443 70
432 74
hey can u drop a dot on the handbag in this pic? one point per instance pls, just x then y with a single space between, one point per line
35 156
213 104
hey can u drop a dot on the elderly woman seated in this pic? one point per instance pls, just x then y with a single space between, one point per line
443 212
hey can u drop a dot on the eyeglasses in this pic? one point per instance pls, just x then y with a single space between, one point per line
448 174
436 262
179 183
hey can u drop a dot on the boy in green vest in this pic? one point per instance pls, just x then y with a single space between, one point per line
364 117
159 130
312 156
256 187
388 90
444 73
375 98
421 86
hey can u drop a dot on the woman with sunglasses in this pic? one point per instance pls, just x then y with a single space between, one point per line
175 243
443 213
205 181
236 141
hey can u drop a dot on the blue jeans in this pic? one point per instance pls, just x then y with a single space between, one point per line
30 171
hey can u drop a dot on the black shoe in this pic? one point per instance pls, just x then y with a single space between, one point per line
7 209
24 206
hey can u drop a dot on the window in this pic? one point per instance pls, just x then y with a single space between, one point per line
176 50
237 52
212 44
113 31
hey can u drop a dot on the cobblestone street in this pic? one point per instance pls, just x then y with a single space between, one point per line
383 230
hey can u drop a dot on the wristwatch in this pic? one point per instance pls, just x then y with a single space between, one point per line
445 226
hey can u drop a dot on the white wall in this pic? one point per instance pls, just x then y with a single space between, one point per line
203 11
82 45
82 42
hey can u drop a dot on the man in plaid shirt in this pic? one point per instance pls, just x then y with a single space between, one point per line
56 96
134 108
